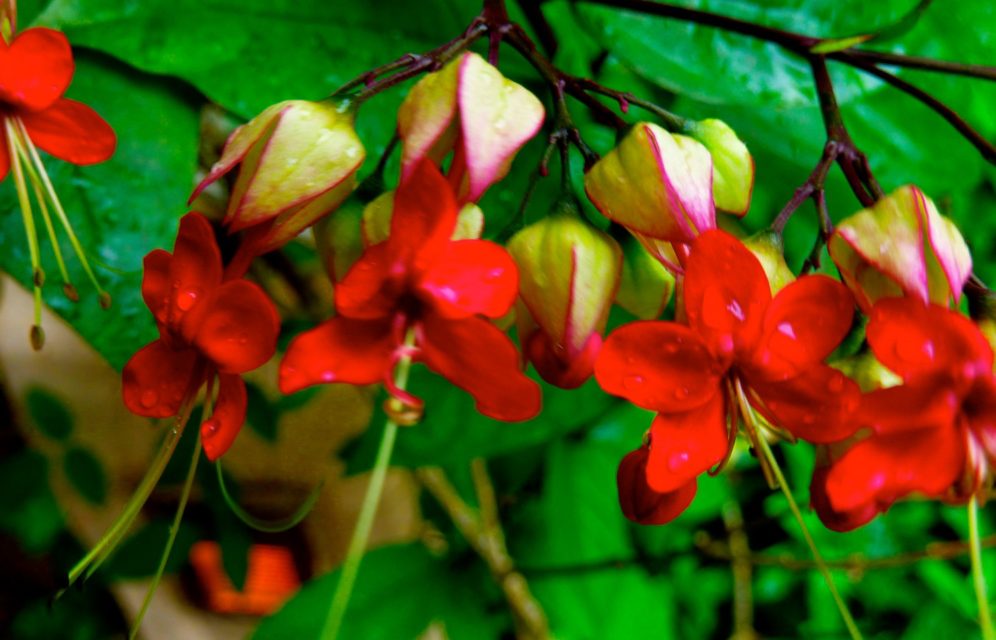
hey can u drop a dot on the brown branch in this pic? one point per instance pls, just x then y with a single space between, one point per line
489 543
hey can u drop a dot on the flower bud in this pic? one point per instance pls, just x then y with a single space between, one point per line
377 220
568 274
865 369
642 504
656 184
769 250
732 165
469 108
901 246
297 161
645 286
982 308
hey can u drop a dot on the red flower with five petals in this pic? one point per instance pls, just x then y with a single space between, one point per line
35 70
207 327
935 434
420 280
740 347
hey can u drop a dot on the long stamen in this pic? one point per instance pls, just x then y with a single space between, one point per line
67 285
765 450
105 298
37 274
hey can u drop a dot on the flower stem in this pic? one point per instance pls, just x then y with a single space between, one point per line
174 528
978 576
769 456
364 523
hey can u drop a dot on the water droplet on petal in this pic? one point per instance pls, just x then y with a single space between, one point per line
149 399
671 348
785 328
210 427
327 376
633 382
494 274
681 393
186 299
836 383
677 461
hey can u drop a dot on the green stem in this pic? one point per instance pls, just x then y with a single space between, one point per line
92 561
978 576
758 439
361 534
181 507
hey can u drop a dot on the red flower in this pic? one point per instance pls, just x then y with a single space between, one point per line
421 280
934 435
737 338
639 502
207 328
35 70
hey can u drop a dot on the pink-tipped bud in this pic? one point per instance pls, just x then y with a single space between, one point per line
646 286
732 165
656 184
296 161
471 109
568 275
901 246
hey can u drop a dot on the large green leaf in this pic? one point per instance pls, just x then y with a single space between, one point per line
121 209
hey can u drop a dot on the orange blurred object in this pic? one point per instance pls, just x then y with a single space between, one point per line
271 579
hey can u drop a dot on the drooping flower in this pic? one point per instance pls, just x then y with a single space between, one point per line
741 352
933 435
420 283
297 161
901 246
569 272
470 109
208 328
36 67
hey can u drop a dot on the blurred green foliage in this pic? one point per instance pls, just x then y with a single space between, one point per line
149 66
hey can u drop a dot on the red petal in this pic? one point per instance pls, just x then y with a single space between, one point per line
4 151
639 502
916 447
726 292
156 287
219 431
912 338
683 445
339 350
471 277
831 518
195 271
980 409
371 287
71 131
559 369
425 215
476 356
803 325
157 378
818 405
662 366
237 327
35 69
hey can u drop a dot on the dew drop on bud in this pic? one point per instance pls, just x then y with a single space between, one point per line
149 399
677 461
37 337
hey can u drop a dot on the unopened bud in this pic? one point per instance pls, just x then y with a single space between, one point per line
732 165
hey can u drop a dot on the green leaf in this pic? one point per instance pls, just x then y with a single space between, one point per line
48 413
398 592
86 474
28 509
121 209
140 553
453 432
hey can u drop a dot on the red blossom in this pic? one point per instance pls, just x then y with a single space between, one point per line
207 327
442 290
737 336
35 70
933 435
